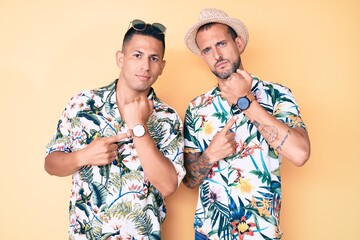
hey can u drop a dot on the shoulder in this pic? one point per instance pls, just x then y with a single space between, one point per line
203 99
163 109
104 89
270 88
89 97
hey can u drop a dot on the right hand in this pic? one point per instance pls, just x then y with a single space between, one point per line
101 151
237 85
137 111
223 143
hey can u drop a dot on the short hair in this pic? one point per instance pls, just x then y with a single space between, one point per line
232 32
148 31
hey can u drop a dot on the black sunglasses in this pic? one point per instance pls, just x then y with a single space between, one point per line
140 25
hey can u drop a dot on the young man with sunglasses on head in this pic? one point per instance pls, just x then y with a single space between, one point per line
235 136
122 145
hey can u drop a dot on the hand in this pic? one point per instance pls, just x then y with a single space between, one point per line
137 111
101 151
237 85
223 144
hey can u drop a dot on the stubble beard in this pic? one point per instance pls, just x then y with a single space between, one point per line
226 74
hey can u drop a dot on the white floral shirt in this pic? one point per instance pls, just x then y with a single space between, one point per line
115 201
241 196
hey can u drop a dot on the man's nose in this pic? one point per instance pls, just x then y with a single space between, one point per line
145 64
217 54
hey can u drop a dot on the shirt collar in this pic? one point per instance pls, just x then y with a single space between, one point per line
112 87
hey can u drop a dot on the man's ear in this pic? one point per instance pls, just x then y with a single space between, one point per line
239 43
163 63
119 59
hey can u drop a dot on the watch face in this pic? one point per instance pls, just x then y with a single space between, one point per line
139 130
243 103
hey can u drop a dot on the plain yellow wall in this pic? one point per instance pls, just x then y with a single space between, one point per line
50 50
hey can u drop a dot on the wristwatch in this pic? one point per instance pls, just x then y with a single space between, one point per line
244 102
138 130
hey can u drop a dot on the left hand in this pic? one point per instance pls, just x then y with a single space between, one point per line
137 111
237 85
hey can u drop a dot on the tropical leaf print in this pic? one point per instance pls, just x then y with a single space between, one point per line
83 207
156 235
222 116
205 193
104 172
220 215
190 123
89 116
171 145
97 230
85 229
132 212
117 181
75 122
263 176
99 193
156 129
115 200
158 202
240 199
64 140
86 174
142 221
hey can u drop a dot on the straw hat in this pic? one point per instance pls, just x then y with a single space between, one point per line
210 15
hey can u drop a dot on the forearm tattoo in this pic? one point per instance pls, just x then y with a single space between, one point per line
282 142
197 168
270 133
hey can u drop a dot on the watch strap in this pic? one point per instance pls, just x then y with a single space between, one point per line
250 96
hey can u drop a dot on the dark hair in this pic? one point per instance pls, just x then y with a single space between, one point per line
232 32
148 31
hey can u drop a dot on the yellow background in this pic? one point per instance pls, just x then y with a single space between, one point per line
50 50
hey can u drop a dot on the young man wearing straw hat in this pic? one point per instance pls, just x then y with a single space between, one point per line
122 145
235 137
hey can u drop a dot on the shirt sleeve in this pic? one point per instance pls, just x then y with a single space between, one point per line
173 146
63 138
191 140
286 108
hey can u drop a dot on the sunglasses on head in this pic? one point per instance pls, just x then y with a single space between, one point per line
140 25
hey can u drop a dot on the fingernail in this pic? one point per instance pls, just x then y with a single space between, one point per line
128 134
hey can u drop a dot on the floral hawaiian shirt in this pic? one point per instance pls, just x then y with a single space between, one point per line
115 201
241 196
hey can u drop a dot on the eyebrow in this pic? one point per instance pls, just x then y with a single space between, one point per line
151 55
222 41
217 43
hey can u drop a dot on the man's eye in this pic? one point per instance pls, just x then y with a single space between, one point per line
137 55
206 51
154 59
222 44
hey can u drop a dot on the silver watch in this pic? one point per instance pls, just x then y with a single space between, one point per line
138 130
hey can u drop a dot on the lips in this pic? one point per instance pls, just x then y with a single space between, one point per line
143 77
221 64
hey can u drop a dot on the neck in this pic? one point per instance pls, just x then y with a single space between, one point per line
125 94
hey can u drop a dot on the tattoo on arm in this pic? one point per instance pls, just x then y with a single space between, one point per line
270 133
282 142
197 169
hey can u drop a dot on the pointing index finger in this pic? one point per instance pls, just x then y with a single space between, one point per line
229 124
117 137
